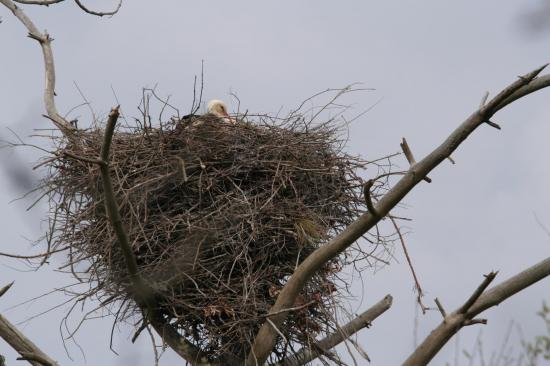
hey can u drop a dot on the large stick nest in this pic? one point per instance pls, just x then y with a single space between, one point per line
218 217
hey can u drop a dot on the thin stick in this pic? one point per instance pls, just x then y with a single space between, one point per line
409 261
477 293
368 198
99 13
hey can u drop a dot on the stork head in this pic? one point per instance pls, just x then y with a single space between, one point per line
218 108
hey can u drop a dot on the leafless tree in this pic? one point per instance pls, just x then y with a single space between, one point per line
379 209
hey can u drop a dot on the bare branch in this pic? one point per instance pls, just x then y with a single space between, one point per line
266 337
45 43
368 198
493 124
363 320
28 350
410 157
477 293
114 214
440 308
482 301
99 13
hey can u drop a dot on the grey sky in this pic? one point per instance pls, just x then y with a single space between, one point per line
430 63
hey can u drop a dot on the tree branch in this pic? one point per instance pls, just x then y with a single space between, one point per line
45 43
28 350
99 13
38 2
266 337
363 320
483 301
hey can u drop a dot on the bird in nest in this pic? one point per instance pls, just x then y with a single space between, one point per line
216 108
219 109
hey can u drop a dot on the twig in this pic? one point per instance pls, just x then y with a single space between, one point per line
277 330
474 321
5 288
409 262
99 13
440 308
296 308
484 99
363 320
82 158
477 293
368 198
410 157
138 331
481 302
266 337
38 2
493 124
34 256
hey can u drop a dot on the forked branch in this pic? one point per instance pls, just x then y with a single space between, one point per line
266 337
363 320
478 302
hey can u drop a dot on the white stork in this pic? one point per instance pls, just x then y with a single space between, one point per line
219 109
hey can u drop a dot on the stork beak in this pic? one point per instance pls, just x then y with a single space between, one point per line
230 119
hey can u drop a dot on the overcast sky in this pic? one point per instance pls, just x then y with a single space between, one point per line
430 63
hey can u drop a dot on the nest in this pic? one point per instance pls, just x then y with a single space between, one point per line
218 216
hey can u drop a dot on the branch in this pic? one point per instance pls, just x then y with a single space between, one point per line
45 43
483 301
266 337
140 290
77 2
38 2
99 13
28 350
477 293
306 355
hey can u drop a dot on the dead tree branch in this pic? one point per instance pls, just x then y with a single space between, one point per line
45 41
99 13
363 320
28 350
478 302
267 335
38 2
77 2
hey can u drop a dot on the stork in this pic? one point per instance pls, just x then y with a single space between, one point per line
219 109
